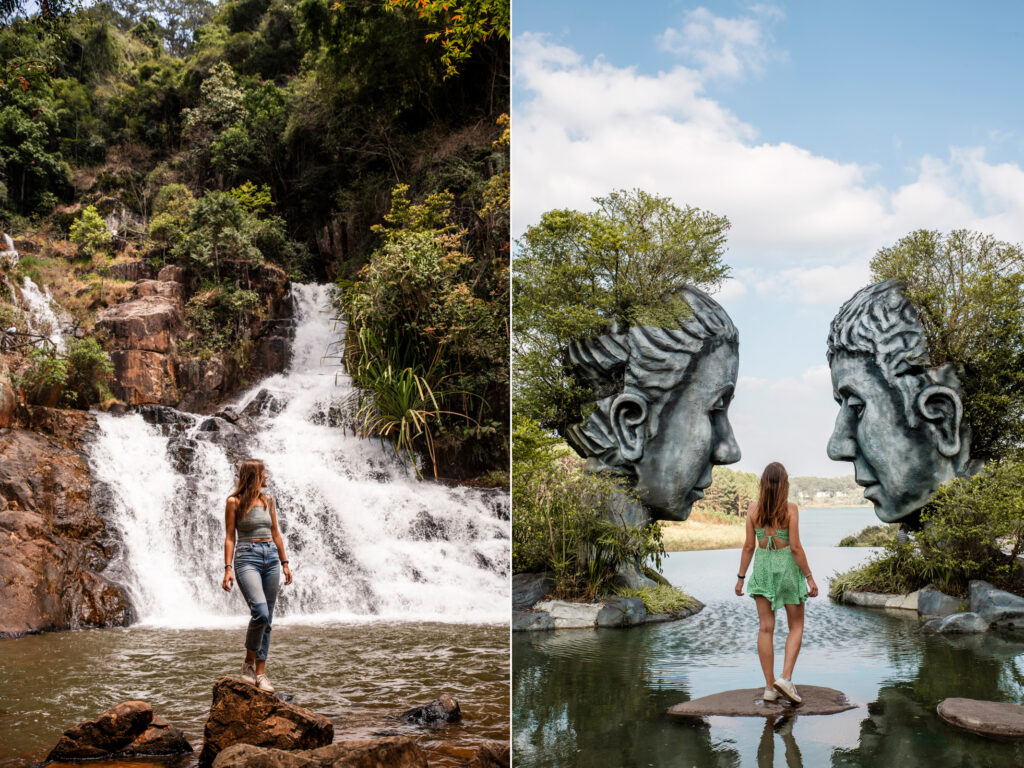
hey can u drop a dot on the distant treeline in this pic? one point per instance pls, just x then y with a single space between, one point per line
731 491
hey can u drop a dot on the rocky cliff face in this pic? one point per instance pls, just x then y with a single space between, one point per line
54 543
147 331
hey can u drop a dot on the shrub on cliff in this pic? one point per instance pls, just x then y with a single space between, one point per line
75 378
89 232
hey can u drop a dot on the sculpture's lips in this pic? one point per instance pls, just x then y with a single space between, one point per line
696 493
869 487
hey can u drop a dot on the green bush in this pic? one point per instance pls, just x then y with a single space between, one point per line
90 233
662 598
88 371
872 536
43 381
559 523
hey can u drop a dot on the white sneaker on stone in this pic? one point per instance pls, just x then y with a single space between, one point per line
770 694
263 684
248 673
787 689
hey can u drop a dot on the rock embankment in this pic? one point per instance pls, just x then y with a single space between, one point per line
54 543
127 730
150 342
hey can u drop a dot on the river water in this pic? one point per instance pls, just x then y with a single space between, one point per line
400 592
598 698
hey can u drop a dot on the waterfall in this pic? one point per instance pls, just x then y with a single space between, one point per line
9 254
365 538
42 314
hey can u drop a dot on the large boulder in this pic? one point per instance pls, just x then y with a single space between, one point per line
957 624
999 608
390 752
491 754
621 612
129 728
568 615
531 621
530 588
150 323
54 544
169 289
171 273
142 377
933 604
243 714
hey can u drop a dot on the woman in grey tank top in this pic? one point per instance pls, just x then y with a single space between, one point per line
257 559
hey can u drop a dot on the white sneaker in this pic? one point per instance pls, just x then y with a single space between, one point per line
248 673
787 689
770 694
263 684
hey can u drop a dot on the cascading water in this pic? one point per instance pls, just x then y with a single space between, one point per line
42 314
364 537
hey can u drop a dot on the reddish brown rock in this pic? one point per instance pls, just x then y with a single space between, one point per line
748 703
391 752
168 289
159 738
491 754
8 398
150 323
143 378
171 273
54 545
243 714
988 718
107 734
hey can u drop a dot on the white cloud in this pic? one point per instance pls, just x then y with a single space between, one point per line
722 48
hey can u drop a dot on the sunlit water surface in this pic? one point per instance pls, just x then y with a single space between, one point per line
598 698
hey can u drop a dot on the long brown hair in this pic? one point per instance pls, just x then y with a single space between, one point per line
250 476
774 496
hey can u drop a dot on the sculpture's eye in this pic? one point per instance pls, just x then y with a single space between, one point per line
720 404
856 405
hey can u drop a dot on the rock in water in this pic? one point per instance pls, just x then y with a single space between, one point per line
243 714
441 710
989 718
127 729
360 753
748 703
492 754
997 607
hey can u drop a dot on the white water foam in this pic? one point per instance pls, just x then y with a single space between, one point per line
43 315
365 538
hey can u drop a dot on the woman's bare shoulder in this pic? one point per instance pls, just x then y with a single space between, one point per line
751 509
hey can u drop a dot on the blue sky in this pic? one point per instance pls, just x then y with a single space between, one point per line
823 131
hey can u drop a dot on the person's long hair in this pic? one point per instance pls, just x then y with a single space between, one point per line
250 484
774 496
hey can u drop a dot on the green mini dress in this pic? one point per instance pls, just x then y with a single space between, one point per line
775 574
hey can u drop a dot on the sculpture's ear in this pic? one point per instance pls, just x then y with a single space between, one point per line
942 408
629 423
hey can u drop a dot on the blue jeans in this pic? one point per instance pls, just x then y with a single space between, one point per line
258 573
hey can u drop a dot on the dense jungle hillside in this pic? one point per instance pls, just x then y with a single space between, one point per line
230 148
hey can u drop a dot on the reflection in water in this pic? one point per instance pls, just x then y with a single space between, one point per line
783 727
598 698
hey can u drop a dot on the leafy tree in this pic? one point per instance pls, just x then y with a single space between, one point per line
214 128
89 231
88 371
578 273
967 288
171 214
219 230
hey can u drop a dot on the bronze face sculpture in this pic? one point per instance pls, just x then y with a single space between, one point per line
900 420
660 405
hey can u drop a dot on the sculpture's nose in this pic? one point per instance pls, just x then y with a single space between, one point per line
726 450
842 446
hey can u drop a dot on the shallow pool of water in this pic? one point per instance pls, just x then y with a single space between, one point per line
598 698
358 675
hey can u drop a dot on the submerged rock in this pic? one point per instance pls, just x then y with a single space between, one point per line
124 730
395 752
988 718
243 714
747 702
956 624
444 709
264 404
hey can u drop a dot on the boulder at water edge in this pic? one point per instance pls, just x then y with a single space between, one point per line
127 729
491 754
997 607
748 703
933 604
988 718
393 752
956 624
243 714
438 712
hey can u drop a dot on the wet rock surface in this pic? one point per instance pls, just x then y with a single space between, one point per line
243 714
54 544
127 729
956 624
999 608
392 752
491 754
747 702
444 709
988 718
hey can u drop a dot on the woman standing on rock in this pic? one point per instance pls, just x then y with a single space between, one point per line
258 560
778 578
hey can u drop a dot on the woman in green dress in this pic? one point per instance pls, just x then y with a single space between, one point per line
781 576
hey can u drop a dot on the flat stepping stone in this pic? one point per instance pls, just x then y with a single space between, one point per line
747 702
989 718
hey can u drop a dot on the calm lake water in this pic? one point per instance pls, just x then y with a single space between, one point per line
358 675
598 698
